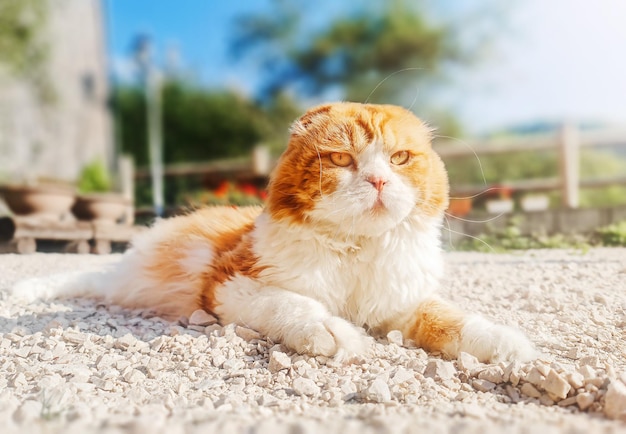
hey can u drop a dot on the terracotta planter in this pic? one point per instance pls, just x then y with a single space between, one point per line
100 207
40 201
460 207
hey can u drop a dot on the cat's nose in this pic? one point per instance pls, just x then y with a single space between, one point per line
377 182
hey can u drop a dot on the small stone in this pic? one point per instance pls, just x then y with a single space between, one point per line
395 337
378 391
467 362
247 334
24 351
534 376
279 361
305 386
543 369
567 401
201 318
512 368
589 361
587 372
233 364
530 390
513 393
483 385
401 375
556 385
495 374
125 342
514 378
573 353
615 400
183 321
575 379
584 400
134 376
547 399
440 369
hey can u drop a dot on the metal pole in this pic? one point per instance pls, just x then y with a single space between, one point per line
570 173
155 139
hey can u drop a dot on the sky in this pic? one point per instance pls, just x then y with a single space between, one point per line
554 61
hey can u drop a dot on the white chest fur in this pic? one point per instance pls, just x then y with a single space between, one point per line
368 281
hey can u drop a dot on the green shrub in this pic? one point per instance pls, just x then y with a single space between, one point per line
94 178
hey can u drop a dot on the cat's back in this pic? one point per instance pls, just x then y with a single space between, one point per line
210 228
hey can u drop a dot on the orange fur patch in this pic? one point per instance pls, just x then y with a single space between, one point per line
234 256
219 230
436 324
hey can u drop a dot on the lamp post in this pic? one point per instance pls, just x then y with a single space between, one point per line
152 82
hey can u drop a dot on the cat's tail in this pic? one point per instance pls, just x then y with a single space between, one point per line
62 285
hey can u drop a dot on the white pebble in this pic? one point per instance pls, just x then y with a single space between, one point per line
615 401
305 386
395 337
378 391
440 369
279 361
556 385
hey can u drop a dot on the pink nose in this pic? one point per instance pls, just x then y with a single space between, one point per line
377 182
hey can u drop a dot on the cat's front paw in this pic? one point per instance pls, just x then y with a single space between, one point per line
495 343
333 337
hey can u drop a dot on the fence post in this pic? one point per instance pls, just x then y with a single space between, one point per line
126 169
569 142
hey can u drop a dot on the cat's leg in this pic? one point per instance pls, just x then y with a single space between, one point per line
298 322
438 326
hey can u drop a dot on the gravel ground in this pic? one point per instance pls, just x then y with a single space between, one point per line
76 366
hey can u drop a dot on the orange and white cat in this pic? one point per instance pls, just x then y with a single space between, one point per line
349 239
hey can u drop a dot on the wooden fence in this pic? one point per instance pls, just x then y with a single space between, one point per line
567 142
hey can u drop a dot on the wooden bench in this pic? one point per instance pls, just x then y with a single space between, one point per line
20 234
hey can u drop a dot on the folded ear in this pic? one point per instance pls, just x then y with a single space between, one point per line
311 117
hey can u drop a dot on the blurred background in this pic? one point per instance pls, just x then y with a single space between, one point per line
178 104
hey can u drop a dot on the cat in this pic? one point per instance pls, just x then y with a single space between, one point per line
349 240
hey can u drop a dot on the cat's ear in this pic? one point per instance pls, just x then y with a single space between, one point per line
311 117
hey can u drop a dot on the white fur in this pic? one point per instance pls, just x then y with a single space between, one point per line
493 342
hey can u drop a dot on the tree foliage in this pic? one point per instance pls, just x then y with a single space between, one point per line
200 124
352 54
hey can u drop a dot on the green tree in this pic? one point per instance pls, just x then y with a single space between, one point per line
200 124
396 43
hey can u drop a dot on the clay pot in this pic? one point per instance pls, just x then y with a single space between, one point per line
48 201
100 207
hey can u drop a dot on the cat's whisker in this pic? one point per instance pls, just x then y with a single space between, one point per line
467 145
448 228
487 190
474 221
380 83
472 237
417 92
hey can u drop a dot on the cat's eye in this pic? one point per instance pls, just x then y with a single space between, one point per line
400 158
341 159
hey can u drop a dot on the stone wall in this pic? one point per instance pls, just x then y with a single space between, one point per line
56 139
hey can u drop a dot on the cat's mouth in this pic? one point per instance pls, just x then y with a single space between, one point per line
378 207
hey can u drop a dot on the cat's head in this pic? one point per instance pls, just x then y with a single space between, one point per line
360 169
